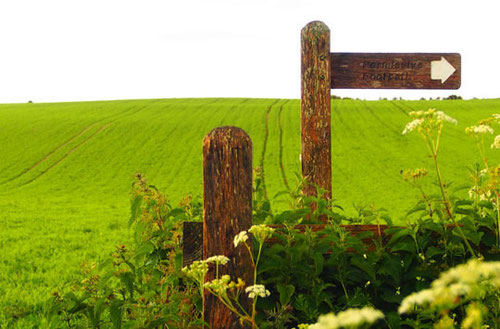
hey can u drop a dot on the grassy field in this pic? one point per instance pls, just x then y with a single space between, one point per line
66 170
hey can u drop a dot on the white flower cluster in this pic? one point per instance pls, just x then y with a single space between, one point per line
351 318
496 143
466 280
197 270
257 290
222 260
428 119
441 116
412 125
219 286
240 237
479 130
476 191
261 232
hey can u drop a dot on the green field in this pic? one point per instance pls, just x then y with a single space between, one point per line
66 170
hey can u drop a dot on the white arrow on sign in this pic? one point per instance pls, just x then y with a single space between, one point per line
441 70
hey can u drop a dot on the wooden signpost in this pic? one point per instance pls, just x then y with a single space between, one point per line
323 71
395 71
227 151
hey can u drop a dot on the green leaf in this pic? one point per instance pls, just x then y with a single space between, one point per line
135 209
127 279
475 237
319 262
391 265
364 265
398 233
286 291
115 311
486 204
433 251
417 208
404 246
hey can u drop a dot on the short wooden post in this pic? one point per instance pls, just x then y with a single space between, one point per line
316 108
227 179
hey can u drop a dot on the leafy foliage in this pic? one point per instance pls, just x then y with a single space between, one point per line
139 288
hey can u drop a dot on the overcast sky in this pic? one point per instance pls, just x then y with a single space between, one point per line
73 50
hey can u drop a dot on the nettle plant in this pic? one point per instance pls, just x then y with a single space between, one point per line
312 278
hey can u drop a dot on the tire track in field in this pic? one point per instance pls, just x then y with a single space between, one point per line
280 154
130 111
49 155
379 120
264 147
66 155
113 118
401 108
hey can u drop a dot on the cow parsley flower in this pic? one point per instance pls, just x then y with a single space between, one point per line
496 143
479 130
197 270
412 125
441 116
257 290
261 232
427 120
351 318
240 237
219 286
222 260
473 280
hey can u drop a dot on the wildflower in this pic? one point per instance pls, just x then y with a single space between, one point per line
412 125
441 116
197 270
430 119
240 237
479 130
258 290
416 299
471 280
496 143
261 232
350 318
219 286
222 260
474 317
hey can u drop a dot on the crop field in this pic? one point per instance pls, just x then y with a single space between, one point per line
66 171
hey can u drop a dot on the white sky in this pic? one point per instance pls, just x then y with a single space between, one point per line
71 50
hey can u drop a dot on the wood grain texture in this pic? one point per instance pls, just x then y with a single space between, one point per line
391 71
227 202
316 108
192 242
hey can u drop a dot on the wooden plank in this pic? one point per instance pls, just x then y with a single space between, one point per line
196 239
227 210
395 70
316 108
192 242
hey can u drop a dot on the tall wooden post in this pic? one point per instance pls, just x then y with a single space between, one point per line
227 202
316 108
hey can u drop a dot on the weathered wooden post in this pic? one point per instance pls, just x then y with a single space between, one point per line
227 202
316 108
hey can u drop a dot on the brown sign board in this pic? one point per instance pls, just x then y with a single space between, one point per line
395 71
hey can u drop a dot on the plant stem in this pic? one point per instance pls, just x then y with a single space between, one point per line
480 146
447 203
